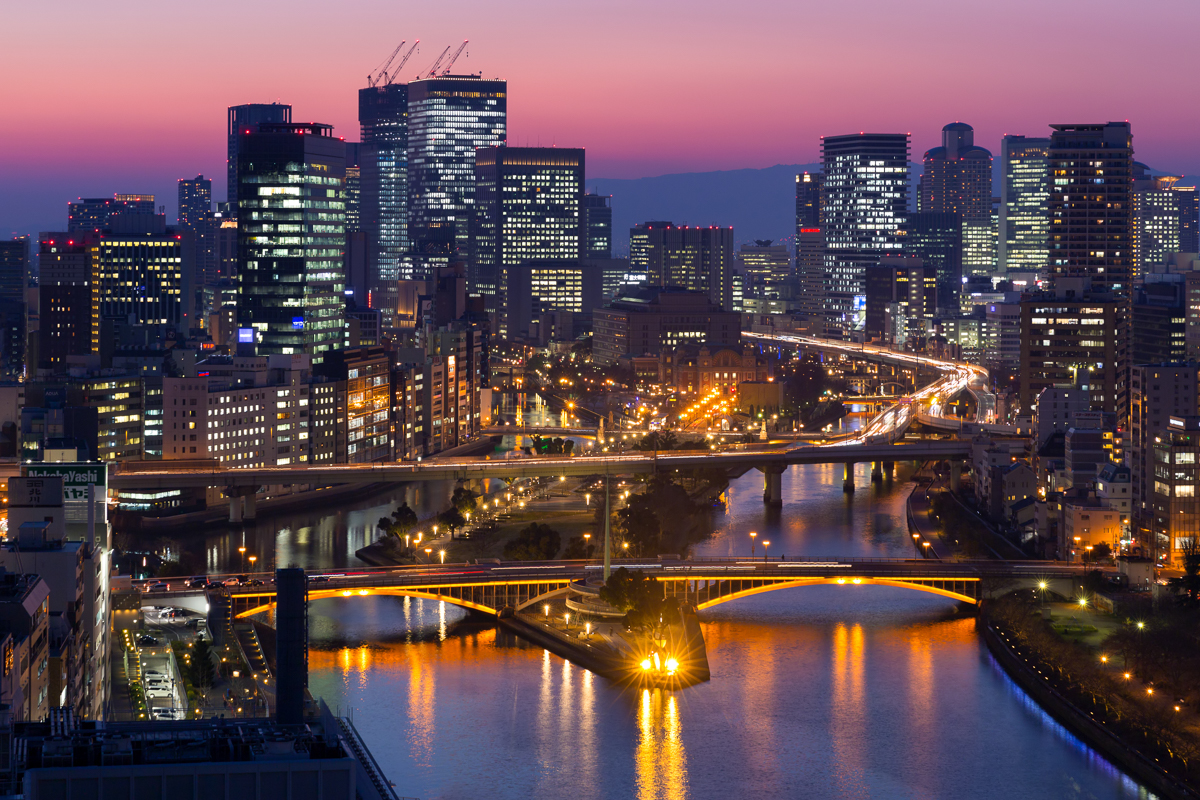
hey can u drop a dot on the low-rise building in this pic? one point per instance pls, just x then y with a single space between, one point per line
646 321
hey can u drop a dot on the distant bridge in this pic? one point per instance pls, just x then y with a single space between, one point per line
703 583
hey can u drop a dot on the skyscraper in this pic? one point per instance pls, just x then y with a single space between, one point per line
865 202
937 238
597 226
143 271
810 243
957 178
1159 227
383 161
290 234
69 299
1024 204
449 118
1091 208
241 119
196 216
1189 218
527 207
765 266
14 268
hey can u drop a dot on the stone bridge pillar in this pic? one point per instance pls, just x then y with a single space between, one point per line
955 475
848 477
889 469
773 486
243 503
235 508
877 472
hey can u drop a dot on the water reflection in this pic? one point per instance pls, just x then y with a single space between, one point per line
848 711
661 761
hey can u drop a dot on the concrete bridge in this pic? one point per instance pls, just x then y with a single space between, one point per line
704 583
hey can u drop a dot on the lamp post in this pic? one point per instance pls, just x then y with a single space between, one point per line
252 560
442 555
752 535
242 550
766 544
428 555
587 545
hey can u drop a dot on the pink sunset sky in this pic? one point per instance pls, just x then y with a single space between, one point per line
131 95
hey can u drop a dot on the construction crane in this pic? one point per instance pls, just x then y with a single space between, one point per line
433 70
381 75
453 58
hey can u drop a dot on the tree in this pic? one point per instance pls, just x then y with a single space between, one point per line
201 665
1189 583
641 598
464 499
402 520
578 547
536 542
568 446
452 518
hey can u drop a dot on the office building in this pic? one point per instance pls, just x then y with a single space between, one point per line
1091 219
1071 335
143 270
865 200
291 230
13 339
1159 220
527 207
25 617
766 267
1189 218
1158 325
901 298
69 299
644 321
361 430
810 245
1024 204
936 237
196 217
96 213
240 120
536 288
449 118
597 226
1175 507
383 164
698 259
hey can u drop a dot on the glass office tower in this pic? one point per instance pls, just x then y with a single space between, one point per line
449 118
383 176
237 120
865 202
291 230
597 224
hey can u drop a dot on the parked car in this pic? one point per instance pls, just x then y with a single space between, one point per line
146 640
157 693
158 586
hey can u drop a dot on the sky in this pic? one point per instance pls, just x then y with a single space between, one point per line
130 95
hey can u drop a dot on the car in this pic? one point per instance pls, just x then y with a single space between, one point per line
233 581
158 586
157 693
152 673
165 714
243 578
215 585
198 583
318 579
160 685
254 582
146 640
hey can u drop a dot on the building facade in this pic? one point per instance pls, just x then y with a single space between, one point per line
383 180
699 259
240 120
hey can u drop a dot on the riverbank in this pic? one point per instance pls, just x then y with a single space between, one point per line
1084 725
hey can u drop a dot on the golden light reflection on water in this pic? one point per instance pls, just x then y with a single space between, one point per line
661 761
848 713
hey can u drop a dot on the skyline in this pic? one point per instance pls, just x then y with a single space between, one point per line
674 93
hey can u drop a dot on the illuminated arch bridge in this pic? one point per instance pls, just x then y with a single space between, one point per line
491 588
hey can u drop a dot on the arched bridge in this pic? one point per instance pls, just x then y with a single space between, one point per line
491 587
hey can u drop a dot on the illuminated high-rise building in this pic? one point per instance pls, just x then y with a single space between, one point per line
239 120
143 270
765 266
810 244
936 237
196 216
1189 218
291 230
527 207
383 160
1091 205
597 226
68 299
957 177
865 203
1159 221
1024 204
96 213
449 118
695 258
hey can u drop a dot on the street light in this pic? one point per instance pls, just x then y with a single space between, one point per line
252 560
442 554
766 544
752 535
428 554
242 550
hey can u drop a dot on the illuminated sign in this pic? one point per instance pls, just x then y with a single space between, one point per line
246 335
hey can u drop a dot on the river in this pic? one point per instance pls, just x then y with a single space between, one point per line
840 692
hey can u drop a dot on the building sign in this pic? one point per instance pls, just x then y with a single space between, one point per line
76 476
246 335
35 492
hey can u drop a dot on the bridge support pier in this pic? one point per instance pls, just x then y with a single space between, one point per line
250 505
243 503
877 472
773 486
955 475
848 477
889 469
235 508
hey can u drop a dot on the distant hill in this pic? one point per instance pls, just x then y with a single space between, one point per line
758 203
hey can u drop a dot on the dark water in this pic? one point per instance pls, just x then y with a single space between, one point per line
842 692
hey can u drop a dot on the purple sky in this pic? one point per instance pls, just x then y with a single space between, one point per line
130 96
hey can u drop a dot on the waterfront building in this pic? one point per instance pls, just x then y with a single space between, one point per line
1024 214
1158 392
644 321
449 118
291 229
360 430
383 162
810 245
527 207
698 259
1175 508
864 201
1072 335
698 368
240 120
